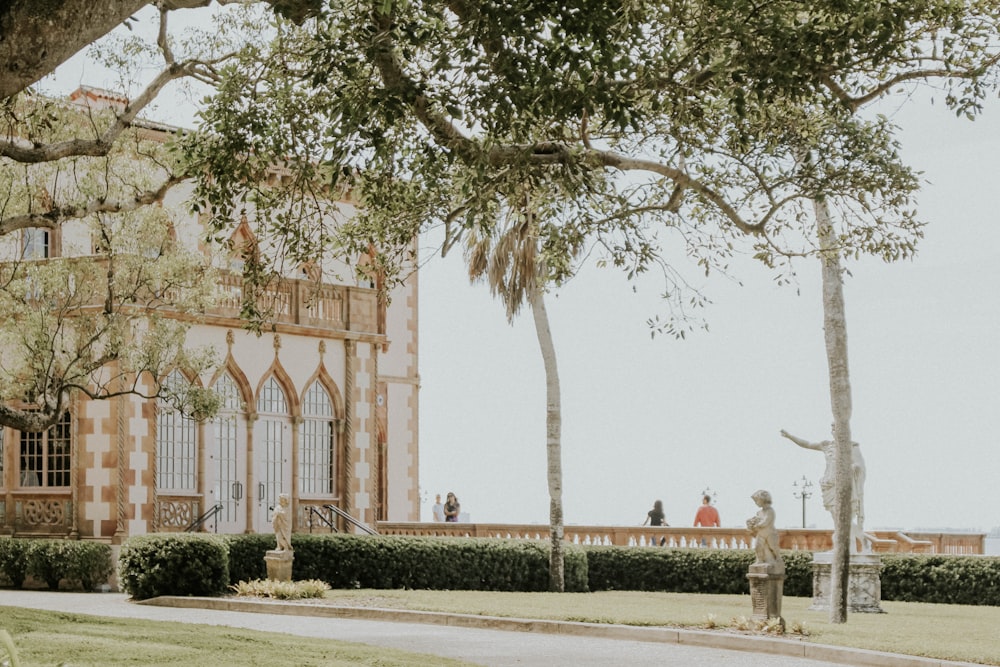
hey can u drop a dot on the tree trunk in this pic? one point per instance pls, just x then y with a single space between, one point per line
835 334
553 430
38 36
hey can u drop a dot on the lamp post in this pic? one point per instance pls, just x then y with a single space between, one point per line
707 491
803 492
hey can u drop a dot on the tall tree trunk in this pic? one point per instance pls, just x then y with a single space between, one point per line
835 334
553 442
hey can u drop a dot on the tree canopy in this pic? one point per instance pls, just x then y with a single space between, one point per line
702 122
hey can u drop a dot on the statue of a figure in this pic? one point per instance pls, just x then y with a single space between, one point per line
828 483
282 524
761 526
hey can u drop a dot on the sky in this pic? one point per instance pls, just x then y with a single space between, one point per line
659 418
647 418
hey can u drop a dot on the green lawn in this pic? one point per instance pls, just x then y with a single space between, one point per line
948 632
53 638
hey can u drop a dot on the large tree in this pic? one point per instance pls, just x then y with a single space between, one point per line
438 112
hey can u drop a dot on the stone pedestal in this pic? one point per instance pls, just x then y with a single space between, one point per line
864 589
766 584
279 565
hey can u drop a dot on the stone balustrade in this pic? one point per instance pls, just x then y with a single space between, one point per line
711 538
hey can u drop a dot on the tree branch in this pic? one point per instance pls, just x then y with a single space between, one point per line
57 214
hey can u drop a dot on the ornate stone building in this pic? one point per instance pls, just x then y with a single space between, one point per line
322 406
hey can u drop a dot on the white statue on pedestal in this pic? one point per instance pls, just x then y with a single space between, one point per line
282 523
828 483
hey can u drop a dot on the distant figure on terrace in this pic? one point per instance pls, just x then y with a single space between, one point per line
438 509
451 508
827 485
655 516
707 516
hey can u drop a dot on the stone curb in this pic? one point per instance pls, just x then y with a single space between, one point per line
721 640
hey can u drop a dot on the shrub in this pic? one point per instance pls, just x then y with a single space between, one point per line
13 561
281 590
81 563
943 579
246 556
362 561
174 564
710 571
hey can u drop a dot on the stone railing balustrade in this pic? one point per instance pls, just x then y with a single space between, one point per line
711 538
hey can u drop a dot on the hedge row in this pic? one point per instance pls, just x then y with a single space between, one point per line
349 561
198 564
207 565
688 570
973 580
77 563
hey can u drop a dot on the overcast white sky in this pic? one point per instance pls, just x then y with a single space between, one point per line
647 419
664 419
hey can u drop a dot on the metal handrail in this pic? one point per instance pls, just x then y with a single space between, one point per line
208 514
322 517
350 519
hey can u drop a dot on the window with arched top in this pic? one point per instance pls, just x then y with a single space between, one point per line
317 452
176 444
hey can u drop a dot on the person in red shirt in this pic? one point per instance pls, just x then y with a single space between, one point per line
707 516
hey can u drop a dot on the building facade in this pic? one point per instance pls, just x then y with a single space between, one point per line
323 405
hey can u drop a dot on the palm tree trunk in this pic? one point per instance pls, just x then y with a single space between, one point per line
553 431
835 334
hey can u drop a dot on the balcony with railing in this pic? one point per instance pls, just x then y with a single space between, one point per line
304 303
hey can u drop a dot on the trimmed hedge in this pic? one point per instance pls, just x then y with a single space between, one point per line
973 580
710 571
481 564
82 564
184 564
174 564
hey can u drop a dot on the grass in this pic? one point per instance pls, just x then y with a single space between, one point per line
946 632
54 638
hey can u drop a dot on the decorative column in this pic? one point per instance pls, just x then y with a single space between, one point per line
120 405
350 361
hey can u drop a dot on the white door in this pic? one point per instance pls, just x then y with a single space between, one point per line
226 467
272 469
272 454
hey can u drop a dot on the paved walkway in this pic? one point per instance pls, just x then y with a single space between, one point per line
489 642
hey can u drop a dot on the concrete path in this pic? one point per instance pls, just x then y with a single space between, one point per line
489 642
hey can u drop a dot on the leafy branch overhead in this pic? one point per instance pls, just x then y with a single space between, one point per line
647 124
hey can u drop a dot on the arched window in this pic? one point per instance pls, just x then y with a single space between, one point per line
316 453
176 445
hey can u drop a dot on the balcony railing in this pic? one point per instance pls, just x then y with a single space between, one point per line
711 538
306 303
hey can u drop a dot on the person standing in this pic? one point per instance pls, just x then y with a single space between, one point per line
656 517
438 509
451 508
707 516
